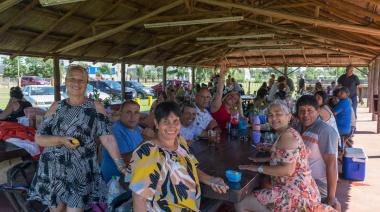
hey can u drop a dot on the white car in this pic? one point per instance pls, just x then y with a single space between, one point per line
41 96
89 92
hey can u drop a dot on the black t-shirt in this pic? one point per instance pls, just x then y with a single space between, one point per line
301 83
350 82
19 112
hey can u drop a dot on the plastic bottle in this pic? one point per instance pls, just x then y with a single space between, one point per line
256 135
114 189
234 123
192 97
186 97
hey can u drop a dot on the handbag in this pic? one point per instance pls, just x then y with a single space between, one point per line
22 174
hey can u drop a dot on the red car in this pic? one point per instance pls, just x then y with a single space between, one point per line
33 80
158 87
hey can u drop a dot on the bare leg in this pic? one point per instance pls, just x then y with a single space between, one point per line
74 210
60 208
250 203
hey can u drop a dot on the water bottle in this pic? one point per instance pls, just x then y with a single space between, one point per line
114 189
234 123
186 97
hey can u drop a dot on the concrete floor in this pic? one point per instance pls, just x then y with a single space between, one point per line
364 195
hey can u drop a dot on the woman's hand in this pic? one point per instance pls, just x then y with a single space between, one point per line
66 141
223 70
261 147
214 183
251 167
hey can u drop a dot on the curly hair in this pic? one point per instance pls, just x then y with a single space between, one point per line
16 92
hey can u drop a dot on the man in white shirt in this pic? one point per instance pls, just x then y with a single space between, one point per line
189 131
203 119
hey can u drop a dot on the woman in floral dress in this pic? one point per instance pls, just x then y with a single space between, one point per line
293 188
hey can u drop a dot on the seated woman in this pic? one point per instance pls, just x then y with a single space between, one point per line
324 110
263 91
163 173
293 187
318 87
16 106
225 105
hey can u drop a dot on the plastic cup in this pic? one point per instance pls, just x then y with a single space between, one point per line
256 137
212 137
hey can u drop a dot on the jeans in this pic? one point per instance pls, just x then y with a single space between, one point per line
354 100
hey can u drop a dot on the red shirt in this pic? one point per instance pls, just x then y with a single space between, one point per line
221 116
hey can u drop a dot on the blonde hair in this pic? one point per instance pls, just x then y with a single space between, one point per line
72 68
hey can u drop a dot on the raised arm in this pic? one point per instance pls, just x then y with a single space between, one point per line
217 100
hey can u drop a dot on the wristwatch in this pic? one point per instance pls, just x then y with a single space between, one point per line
260 169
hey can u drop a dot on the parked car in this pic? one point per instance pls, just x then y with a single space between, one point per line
89 92
158 87
33 80
142 90
113 88
41 96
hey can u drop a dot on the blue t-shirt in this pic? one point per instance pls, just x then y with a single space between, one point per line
343 116
127 142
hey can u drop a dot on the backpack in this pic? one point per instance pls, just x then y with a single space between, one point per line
22 174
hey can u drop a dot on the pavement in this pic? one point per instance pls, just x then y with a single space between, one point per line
355 196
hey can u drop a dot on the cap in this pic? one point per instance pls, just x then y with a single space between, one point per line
345 90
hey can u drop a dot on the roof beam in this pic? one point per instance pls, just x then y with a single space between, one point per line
199 51
7 4
51 27
302 32
173 40
277 14
19 15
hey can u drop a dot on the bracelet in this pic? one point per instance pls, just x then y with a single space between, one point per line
118 159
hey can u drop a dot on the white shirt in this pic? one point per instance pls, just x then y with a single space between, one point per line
203 118
191 132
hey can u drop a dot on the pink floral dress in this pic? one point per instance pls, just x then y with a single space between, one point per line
298 192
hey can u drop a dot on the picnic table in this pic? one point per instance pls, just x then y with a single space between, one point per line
9 151
227 155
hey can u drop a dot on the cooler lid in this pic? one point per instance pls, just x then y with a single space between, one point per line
354 153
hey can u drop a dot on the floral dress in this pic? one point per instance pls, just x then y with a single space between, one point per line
167 179
298 192
71 176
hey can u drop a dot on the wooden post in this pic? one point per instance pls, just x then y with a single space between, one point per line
164 77
57 76
192 77
369 88
122 80
375 81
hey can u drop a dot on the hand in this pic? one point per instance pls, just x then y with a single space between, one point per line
223 69
218 188
361 101
212 124
147 132
333 202
189 142
66 141
261 147
251 167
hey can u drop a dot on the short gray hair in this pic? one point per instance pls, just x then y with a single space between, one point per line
284 107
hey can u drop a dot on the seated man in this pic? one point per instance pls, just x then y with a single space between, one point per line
189 131
343 111
203 119
128 136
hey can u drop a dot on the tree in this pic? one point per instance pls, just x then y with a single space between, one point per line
140 71
38 67
12 66
104 69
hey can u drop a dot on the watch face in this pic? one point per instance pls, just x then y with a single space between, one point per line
260 169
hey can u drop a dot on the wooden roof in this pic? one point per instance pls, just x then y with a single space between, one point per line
293 32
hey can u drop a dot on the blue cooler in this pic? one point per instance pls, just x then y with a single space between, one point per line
354 161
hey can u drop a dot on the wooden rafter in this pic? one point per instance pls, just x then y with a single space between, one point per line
303 54
173 40
19 15
245 60
7 4
199 51
273 13
263 56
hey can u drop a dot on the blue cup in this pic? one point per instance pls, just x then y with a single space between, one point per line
233 176
263 119
256 135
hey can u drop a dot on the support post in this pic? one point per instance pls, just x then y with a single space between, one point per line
164 77
122 80
57 93
192 76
